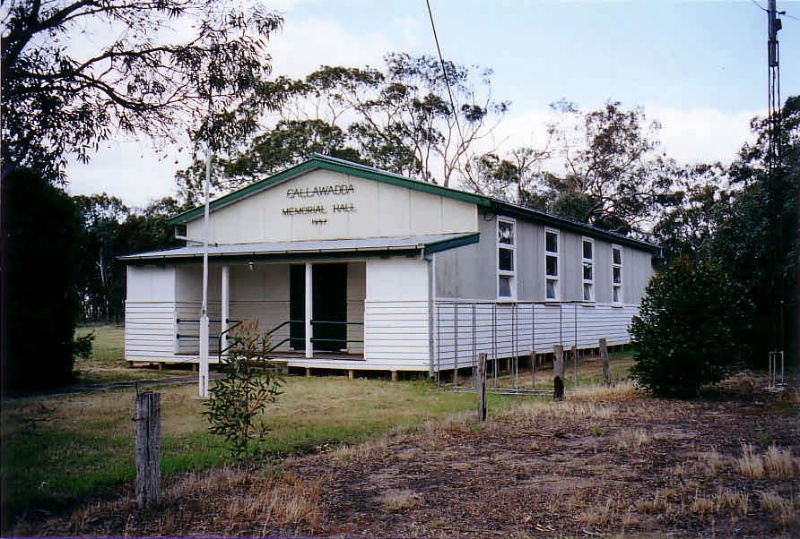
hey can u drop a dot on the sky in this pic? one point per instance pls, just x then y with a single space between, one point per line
699 68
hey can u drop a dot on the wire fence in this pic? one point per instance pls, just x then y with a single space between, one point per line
517 336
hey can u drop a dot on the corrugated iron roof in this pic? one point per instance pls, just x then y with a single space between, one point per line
428 243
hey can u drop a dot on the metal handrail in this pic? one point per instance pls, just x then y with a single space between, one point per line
285 323
315 322
220 351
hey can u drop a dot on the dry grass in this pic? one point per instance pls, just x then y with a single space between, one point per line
732 503
775 463
711 462
632 438
780 464
660 504
398 500
702 505
737 502
785 512
249 498
624 390
609 513
751 464
605 462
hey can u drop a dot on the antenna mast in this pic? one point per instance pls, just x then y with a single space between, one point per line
774 166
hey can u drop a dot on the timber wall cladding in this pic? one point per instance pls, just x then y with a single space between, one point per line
396 335
465 329
149 330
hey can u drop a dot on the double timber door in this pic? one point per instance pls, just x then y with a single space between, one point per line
328 305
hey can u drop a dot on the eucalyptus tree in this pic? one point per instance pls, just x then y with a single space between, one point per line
758 240
613 175
518 177
743 220
76 73
98 273
399 118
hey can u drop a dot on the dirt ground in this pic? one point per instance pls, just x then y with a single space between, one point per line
599 464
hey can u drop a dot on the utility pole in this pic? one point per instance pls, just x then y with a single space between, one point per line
774 177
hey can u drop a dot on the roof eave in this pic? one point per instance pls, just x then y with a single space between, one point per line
562 223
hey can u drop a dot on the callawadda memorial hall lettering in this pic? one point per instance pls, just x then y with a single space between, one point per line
320 191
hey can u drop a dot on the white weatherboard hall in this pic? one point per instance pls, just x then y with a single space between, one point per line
350 267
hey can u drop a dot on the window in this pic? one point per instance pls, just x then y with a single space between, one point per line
588 269
551 264
506 265
616 274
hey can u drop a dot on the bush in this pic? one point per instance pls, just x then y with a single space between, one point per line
42 230
687 329
237 401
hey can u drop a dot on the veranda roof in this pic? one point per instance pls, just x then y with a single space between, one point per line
311 248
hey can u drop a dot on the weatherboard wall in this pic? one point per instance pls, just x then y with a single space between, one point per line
323 204
396 314
150 307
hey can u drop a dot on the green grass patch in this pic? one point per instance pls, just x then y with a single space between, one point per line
107 362
63 450
108 346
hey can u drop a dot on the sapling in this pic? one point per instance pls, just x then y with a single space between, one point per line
238 401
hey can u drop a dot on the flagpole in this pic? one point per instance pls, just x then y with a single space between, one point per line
203 390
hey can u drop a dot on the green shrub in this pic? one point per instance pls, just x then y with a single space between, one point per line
237 402
42 229
687 329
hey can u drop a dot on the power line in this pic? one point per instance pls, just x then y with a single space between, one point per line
758 5
444 71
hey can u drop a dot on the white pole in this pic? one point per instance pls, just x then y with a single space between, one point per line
204 308
225 306
309 310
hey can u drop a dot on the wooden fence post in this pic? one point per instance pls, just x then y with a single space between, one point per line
558 372
481 386
147 417
606 366
533 369
574 354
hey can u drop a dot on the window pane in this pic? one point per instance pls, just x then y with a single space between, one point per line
504 287
587 271
551 242
617 256
551 263
551 289
505 232
505 260
587 292
616 295
587 250
617 275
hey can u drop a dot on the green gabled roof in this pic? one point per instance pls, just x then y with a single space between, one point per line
318 161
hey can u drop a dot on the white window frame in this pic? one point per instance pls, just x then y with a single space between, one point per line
587 282
555 279
511 275
616 287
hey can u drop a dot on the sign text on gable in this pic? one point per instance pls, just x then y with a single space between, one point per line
321 190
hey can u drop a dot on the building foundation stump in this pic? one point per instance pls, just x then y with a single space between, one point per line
558 372
606 365
481 387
